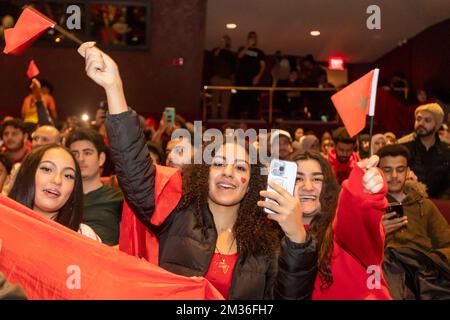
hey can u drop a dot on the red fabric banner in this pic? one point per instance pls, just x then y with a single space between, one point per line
51 261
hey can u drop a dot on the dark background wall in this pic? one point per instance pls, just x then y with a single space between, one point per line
424 60
177 29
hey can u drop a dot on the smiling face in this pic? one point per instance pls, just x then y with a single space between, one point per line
54 182
229 175
308 186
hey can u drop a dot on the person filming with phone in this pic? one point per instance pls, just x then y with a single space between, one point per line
417 247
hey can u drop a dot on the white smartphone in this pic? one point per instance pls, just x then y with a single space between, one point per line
283 173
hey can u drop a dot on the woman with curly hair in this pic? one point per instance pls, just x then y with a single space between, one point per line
215 229
347 226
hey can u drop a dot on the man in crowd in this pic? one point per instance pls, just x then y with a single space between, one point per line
15 139
342 157
417 246
45 135
430 157
180 152
251 66
102 203
281 143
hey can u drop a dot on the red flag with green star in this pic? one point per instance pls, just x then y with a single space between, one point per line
354 102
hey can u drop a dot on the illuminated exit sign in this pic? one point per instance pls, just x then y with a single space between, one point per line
335 63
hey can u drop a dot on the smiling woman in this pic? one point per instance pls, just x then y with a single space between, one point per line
49 182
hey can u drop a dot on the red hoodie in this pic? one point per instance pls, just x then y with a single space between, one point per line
358 245
342 170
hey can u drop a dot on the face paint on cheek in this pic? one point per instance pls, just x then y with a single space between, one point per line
243 180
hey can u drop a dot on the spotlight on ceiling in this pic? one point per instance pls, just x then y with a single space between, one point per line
315 33
231 25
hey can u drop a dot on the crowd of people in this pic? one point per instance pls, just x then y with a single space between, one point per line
322 240
247 67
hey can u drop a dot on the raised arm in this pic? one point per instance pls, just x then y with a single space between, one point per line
357 226
135 171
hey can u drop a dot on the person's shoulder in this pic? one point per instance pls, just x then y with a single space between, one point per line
88 232
107 191
408 139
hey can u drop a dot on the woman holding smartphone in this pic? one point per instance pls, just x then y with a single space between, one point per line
347 226
216 230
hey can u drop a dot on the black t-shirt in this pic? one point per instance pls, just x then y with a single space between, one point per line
249 65
224 63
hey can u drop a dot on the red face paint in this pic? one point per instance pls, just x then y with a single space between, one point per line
243 180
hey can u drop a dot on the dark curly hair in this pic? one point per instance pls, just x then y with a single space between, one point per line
322 223
255 234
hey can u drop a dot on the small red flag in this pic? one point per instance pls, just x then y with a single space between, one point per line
33 70
355 101
29 27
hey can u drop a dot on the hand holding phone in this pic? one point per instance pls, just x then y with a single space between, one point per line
169 116
397 208
284 174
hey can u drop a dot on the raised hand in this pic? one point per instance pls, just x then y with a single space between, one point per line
289 214
104 71
373 180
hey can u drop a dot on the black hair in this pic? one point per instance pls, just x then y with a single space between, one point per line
395 150
15 123
80 133
156 148
341 135
6 161
24 188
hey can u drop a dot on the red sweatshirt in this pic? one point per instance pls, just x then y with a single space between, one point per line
342 170
358 245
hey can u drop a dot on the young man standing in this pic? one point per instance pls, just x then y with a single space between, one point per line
102 203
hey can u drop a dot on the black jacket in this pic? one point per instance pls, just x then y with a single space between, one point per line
431 166
186 250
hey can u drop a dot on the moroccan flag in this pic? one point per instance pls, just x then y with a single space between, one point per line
357 100
29 27
51 261
33 70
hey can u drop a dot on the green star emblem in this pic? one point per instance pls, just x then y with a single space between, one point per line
363 103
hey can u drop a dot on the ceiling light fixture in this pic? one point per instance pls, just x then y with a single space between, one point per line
315 33
231 25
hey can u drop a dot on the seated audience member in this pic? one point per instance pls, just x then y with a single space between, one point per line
342 157
49 182
214 229
299 132
5 169
430 157
363 146
102 204
45 135
326 146
9 291
391 138
417 248
180 152
310 143
346 225
326 135
281 144
378 142
156 153
15 140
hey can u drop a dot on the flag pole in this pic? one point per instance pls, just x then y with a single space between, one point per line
68 34
373 97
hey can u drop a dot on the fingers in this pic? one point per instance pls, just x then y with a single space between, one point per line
283 192
388 216
395 224
373 180
271 195
82 49
372 162
272 206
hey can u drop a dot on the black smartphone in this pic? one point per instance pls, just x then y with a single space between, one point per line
397 208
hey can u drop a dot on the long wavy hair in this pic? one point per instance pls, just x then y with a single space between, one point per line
255 233
322 223
24 188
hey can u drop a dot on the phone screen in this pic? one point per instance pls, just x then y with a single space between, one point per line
397 208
